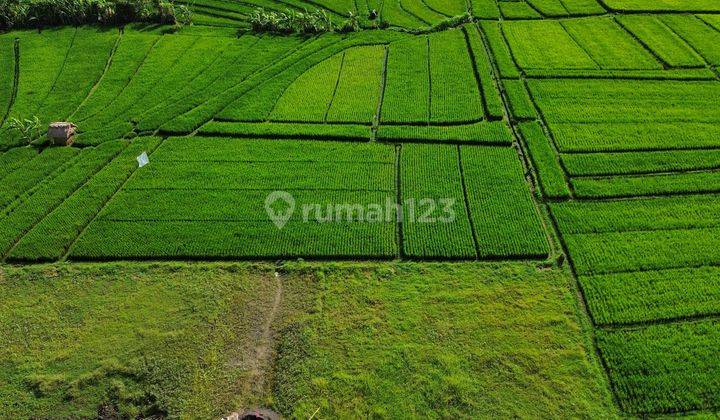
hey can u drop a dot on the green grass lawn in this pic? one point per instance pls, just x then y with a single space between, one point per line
136 340
349 340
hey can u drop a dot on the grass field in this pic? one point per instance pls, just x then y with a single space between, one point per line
201 340
511 209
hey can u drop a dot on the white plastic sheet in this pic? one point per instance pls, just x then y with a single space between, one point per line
143 159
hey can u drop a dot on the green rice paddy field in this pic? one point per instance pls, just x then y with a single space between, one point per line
578 141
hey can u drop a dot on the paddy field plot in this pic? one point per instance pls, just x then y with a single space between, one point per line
579 138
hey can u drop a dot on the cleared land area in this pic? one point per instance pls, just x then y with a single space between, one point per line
133 339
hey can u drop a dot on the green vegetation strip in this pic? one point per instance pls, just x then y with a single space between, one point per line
14 159
455 93
647 185
648 296
52 193
686 212
507 224
664 368
349 132
604 253
435 218
112 240
633 163
663 6
33 172
483 64
544 159
484 132
407 89
50 239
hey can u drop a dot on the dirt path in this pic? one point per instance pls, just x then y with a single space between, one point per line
260 359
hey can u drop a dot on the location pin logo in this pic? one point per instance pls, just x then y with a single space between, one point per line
280 206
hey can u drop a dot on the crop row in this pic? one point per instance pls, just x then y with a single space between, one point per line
455 95
664 368
711 19
702 37
485 9
433 79
498 48
255 99
41 60
7 74
549 172
266 165
632 163
51 193
483 65
665 43
408 82
609 45
636 42
358 88
172 69
222 85
634 136
237 60
431 177
346 132
14 159
644 260
647 185
687 212
559 8
545 44
576 44
32 172
203 149
628 115
603 253
517 10
505 219
84 65
158 64
534 9
693 74
664 6
191 67
51 237
410 14
202 240
520 104
645 296
679 40
626 101
266 175
310 96
129 56
234 205
260 101
484 132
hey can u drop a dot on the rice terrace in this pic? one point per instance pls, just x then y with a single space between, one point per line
317 209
